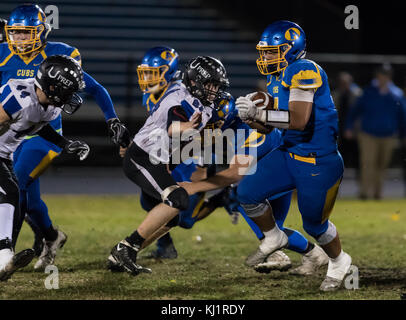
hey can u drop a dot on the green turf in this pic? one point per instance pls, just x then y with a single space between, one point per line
373 233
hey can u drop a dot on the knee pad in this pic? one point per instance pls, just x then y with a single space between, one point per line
323 233
255 210
176 197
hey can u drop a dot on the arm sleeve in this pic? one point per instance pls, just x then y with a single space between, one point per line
176 114
49 134
101 96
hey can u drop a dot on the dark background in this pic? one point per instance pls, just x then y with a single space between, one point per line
113 35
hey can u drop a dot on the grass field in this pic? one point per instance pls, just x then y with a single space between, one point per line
373 233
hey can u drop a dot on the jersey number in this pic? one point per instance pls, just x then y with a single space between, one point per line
23 93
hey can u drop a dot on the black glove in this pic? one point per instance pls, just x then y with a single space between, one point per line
118 132
79 147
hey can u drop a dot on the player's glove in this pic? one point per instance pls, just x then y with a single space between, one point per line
118 132
78 147
246 108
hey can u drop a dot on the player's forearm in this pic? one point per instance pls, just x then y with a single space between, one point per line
296 118
4 117
49 134
220 180
101 95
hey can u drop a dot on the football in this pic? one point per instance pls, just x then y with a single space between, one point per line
267 100
267 104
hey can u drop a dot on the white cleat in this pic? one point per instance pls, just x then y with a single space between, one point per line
49 251
6 255
311 262
265 249
15 262
276 261
336 272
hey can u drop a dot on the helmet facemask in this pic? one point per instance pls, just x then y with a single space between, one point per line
20 46
68 100
209 92
275 65
152 79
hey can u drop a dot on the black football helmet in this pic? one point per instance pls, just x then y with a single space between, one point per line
2 30
60 77
202 71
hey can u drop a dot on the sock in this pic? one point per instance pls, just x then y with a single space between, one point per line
50 234
165 240
6 220
310 247
297 242
135 239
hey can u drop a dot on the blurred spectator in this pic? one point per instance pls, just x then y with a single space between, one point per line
344 96
382 116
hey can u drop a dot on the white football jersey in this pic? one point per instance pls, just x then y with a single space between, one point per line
27 116
153 137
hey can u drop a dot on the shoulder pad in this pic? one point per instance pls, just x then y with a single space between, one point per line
302 74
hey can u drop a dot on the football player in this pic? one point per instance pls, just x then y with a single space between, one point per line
27 46
313 256
27 106
308 159
149 159
155 73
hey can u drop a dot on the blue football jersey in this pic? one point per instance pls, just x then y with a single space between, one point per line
14 67
320 134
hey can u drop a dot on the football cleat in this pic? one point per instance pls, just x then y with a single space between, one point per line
259 256
311 262
336 273
164 252
276 261
49 251
124 256
113 265
17 261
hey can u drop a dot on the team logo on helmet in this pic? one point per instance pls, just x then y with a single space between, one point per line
167 55
292 34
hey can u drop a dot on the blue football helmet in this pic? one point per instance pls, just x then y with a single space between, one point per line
225 112
157 69
281 43
27 30
226 109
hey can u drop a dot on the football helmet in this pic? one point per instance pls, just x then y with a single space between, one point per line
285 42
27 30
226 109
60 77
206 79
157 68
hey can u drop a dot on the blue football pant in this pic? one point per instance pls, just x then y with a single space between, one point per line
31 159
315 179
